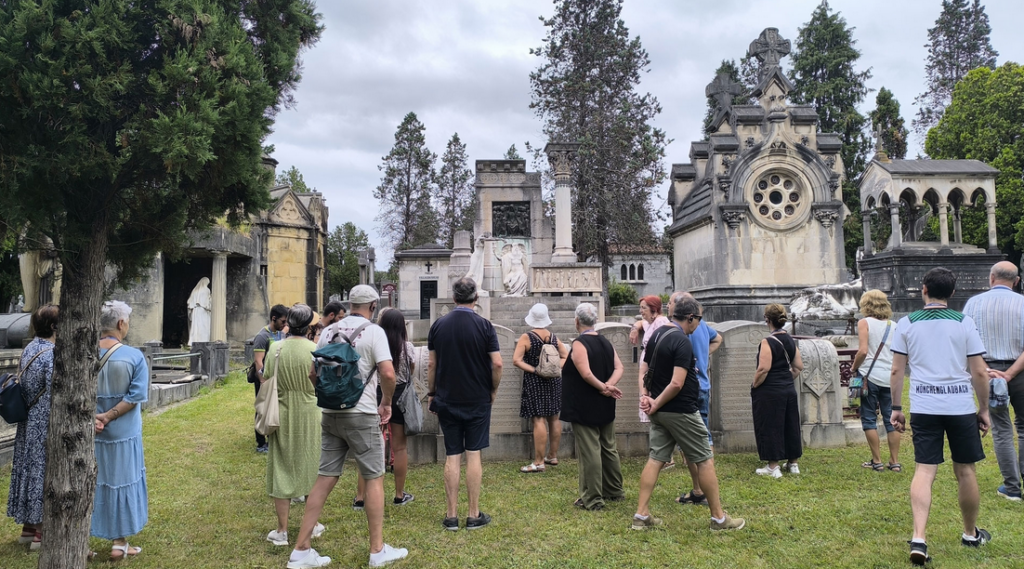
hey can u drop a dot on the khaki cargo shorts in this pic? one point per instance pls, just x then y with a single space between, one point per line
684 429
359 432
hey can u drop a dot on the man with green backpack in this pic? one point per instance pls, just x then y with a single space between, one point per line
351 358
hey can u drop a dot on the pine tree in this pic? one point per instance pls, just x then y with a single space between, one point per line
343 246
125 126
512 153
728 66
455 193
886 116
586 91
823 75
406 217
292 177
958 43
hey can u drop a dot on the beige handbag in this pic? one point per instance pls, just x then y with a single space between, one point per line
268 410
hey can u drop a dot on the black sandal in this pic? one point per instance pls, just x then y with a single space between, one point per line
895 467
691 498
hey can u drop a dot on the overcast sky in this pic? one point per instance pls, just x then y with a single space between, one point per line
463 66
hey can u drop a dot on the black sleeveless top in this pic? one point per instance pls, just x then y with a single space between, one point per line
581 403
779 374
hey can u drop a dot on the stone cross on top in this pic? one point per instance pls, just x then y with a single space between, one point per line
723 89
769 48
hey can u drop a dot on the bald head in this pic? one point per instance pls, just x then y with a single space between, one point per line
1003 273
677 297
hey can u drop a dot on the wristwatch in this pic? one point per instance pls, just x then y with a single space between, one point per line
897 407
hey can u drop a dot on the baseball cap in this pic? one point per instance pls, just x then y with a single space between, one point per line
363 294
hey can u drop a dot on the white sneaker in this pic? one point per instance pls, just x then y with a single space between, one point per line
387 555
308 558
766 471
278 537
792 468
319 530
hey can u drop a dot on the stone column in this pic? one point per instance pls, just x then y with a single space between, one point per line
993 244
560 156
219 292
866 220
958 234
944 224
897 233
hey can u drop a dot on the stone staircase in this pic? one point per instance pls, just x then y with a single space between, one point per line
510 312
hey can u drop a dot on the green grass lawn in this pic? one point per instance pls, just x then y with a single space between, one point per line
208 508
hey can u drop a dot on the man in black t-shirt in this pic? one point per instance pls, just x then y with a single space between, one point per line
670 396
462 379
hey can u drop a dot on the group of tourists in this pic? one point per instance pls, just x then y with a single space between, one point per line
952 357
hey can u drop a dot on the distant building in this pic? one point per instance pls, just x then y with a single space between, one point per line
648 269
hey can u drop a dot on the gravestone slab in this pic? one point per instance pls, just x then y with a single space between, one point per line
821 395
631 435
505 412
731 372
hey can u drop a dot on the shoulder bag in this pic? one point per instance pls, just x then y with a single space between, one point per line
268 408
409 404
859 383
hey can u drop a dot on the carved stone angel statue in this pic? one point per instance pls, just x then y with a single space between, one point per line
513 269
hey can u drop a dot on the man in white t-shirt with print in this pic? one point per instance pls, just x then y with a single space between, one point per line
356 429
945 352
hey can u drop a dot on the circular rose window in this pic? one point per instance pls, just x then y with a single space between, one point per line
778 198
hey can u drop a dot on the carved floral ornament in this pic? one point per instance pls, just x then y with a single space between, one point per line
733 217
827 217
561 156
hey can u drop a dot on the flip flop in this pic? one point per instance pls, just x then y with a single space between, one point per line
532 468
551 461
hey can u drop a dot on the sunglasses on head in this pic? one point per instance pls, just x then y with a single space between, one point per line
691 317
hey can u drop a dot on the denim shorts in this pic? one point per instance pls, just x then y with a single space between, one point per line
704 401
875 398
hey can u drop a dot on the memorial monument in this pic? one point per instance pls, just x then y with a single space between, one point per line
758 212
897 197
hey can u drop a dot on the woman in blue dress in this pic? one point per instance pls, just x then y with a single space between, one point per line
121 503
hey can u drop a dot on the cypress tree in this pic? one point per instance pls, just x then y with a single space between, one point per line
886 117
455 192
729 67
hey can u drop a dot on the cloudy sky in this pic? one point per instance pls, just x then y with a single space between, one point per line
463 66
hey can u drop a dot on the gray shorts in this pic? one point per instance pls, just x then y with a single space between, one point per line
359 432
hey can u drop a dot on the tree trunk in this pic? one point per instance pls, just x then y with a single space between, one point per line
70 458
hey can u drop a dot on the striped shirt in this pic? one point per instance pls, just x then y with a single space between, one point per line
999 315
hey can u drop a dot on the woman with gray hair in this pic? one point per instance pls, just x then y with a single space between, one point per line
588 402
294 449
121 503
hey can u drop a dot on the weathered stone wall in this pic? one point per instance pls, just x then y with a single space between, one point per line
146 297
287 265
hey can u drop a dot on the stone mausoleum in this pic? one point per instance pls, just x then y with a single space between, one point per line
757 211
277 259
903 195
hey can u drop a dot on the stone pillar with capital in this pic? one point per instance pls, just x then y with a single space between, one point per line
561 156
990 211
958 234
219 300
944 224
897 233
868 244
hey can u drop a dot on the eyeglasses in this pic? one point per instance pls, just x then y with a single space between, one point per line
691 317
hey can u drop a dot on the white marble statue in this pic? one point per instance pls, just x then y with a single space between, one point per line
513 269
476 265
199 308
